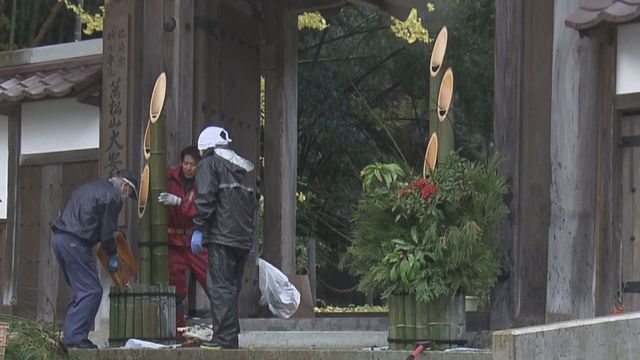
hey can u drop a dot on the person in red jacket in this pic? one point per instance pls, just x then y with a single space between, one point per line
180 203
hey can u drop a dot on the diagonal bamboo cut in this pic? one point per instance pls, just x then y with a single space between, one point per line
430 156
445 116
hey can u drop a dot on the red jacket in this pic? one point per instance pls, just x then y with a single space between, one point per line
180 218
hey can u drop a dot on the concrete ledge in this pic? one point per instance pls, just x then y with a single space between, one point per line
608 337
316 324
318 339
264 354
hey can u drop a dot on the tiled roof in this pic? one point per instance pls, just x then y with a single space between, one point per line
48 83
595 12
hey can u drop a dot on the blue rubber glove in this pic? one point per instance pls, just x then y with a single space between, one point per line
113 263
196 242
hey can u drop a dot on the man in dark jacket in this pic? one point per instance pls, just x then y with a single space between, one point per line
180 201
224 222
90 217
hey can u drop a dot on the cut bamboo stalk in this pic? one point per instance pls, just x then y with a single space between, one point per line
147 141
144 246
113 318
144 243
436 63
130 306
146 310
158 184
410 320
445 95
446 137
144 191
430 155
157 97
422 320
137 313
445 116
122 315
393 322
438 52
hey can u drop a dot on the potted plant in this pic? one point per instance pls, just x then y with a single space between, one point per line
426 240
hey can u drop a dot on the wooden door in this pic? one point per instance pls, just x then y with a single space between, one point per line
43 191
630 202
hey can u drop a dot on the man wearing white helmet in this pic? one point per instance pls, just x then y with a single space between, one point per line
224 223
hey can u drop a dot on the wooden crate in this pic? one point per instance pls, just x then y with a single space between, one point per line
4 329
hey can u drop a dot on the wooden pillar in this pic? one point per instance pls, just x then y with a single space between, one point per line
119 118
177 61
279 62
575 124
608 172
11 246
207 66
524 31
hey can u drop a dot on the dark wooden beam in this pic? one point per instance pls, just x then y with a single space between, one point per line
628 103
90 95
59 157
46 66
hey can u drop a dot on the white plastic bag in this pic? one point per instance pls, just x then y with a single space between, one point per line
275 290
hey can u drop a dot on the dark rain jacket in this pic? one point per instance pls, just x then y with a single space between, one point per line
92 214
225 199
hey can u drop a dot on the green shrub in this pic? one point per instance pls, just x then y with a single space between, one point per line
428 236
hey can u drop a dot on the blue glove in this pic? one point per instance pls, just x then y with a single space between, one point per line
196 242
113 263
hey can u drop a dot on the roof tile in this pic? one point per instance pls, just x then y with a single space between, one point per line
53 83
595 12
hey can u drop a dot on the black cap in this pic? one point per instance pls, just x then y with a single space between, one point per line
131 180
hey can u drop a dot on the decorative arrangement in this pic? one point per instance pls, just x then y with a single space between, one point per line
425 240
147 310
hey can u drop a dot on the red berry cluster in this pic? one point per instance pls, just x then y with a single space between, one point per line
426 188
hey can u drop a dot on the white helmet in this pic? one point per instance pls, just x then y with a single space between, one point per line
213 136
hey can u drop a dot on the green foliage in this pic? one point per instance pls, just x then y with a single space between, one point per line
28 340
386 174
411 30
92 22
311 20
29 17
432 236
